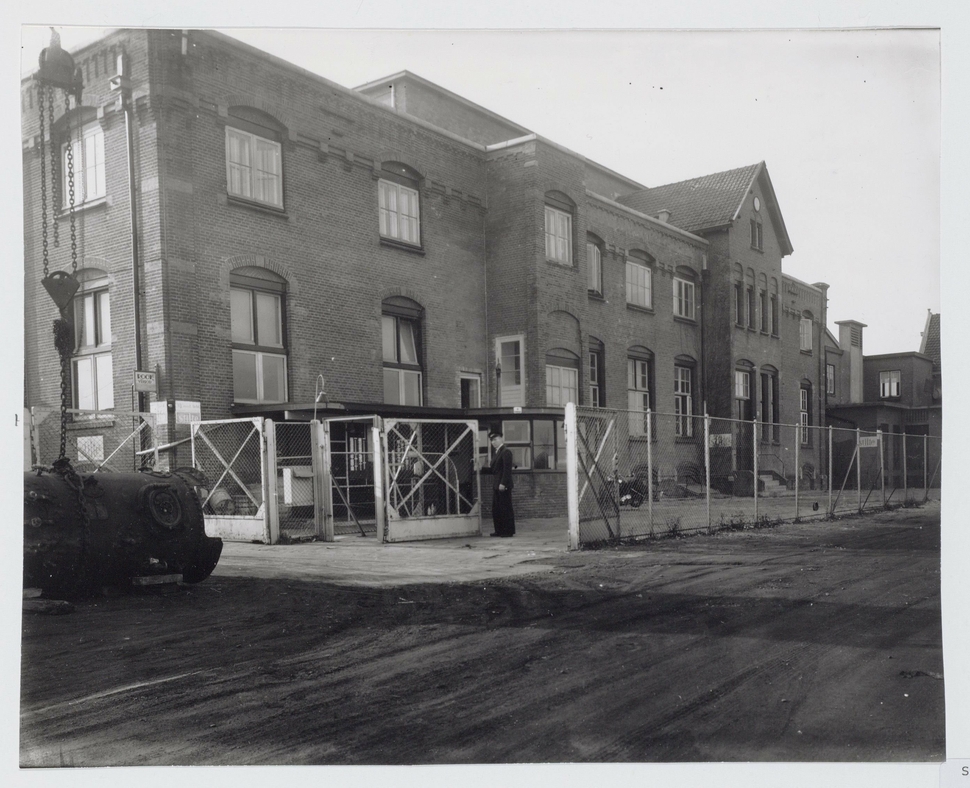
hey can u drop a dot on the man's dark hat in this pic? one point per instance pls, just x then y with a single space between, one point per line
494 433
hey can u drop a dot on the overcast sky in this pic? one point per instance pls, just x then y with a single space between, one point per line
848 123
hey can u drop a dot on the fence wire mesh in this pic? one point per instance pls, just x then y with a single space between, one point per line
431 469
294 480
230 456
115 441
653 474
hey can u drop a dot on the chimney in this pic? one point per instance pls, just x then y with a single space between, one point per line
850 340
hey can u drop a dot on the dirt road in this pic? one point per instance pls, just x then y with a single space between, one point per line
809 642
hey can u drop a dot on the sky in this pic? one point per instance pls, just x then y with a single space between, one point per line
848 123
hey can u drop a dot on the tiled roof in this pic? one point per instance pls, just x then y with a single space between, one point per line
698 203
930 346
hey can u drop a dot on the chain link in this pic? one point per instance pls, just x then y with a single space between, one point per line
63 335
55 181
43 180
71 193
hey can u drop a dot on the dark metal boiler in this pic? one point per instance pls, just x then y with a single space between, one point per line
86 531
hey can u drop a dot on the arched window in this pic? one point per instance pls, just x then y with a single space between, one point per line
559 228
92 364
738 295
597 373
639 385
401 340
259 356
684 367
743 373
770 430
254 157
752 308
805 332
639 279
562 377
773 302
763 303
399 203
685 292
805 411
594 264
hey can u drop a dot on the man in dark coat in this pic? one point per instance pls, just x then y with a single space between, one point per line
503 517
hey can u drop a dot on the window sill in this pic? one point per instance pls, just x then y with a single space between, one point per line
79 421
560 263
756 249
101 202
404 245
256 206
805 352
644 309
688 320
594 296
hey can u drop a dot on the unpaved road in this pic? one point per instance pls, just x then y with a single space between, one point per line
810 642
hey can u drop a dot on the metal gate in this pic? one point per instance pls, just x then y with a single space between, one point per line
231 455
347 468
432 485
109 440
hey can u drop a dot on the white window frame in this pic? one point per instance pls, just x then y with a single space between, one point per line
559 235
512 394
594 259
639 284
805 334
830 378
889 383
403 371
684 294
638 394
683 402
562 385
262 350
477 380
804 415
399 212
91 142
742 384
252 178
594 360
92 359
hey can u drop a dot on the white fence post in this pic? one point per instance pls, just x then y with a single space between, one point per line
905 469
830 472
754 431
707 465
572 476
798 463
882 467
650 469
270 497
926 466
380 467
858 468
317 463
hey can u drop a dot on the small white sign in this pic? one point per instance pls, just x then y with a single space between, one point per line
146 381
721 440
187 411
160 410
869 442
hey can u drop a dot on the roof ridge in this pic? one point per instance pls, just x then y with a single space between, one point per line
708 175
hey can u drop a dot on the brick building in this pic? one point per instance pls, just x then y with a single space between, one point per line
422 254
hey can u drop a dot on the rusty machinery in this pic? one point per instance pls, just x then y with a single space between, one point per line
86 531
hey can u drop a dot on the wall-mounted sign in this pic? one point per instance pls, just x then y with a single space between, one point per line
146 381
159 410
869 442
720 440
187 411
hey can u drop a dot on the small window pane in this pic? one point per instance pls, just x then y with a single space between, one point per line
388 339
516 431
242 315
545 456
409 349
84 382
392 387
274 377
104 318
105 382
412 387
244 376
268 326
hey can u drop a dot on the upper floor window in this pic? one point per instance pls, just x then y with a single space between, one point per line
757 237
830 378
752 309
92 362
510 356
559 231
594 263
805 334
639 283
742 384
399 204
683 298
739 302
773 306
562 378
259 357
683 402
87 151
401 341
889 383
254 158
805 413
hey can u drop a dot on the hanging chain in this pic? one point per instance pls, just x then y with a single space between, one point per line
55 181
43 180
70 187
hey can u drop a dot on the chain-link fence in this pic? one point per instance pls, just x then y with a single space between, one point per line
352 476
230 455
95 441
294 480
641 474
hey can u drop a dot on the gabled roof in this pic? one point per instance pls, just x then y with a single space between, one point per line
711 201
930 344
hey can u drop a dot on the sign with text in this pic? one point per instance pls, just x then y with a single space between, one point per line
869 442
187 411
146 381
721 440
160 410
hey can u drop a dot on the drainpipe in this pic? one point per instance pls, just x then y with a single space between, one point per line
122 84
